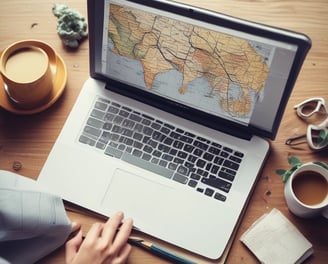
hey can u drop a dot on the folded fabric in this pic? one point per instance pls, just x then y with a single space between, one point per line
273 239
32 223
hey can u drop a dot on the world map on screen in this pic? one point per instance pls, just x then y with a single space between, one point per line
210 70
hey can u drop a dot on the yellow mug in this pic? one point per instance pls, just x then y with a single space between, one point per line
27 68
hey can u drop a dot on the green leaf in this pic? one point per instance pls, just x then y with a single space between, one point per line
322 164
323 137
294 162
286 176
292 169
280 172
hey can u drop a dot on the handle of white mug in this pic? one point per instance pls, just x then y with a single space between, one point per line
325 212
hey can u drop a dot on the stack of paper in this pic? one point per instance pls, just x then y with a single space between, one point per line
274 239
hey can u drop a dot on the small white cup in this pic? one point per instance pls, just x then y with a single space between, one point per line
306 191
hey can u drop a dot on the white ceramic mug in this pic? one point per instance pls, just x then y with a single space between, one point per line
306 191
27 68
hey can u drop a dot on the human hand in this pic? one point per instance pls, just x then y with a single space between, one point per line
104 243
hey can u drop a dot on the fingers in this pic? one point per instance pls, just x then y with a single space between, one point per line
104 243
72 246
75 227
116 231
123 233
94 233
111 226
124 254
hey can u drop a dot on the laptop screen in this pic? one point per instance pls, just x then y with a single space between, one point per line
217 69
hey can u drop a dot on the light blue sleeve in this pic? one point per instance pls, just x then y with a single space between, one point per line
32 223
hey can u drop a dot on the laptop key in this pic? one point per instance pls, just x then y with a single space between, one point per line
224 154
100 105
165 130
198 152
135 117
113 110
239 154
232 172
137 153
107 126
98 114
100 145
113 152
195 176
109 117
155 160
217 183
163 163
182 154
208 156
180 178
226 176
86 140
146 156
137 136
92 131
231 165
214 150
235 159
220 197
228 149
183 170
200 145
167 157
209 192
138 128
192 183
147 165
172 166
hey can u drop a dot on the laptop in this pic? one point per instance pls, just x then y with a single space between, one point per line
174 123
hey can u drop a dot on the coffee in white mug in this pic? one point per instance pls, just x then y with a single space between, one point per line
306 191
310 187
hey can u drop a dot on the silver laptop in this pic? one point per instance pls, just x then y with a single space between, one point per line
170 126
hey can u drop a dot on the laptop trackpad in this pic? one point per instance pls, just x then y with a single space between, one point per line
149 203
139 197
173 215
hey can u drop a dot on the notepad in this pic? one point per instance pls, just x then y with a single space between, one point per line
274 239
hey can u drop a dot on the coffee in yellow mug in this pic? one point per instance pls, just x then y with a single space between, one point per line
27 69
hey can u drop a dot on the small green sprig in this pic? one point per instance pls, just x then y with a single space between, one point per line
295 163
323 137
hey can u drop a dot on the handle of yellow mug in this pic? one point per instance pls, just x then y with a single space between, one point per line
47 49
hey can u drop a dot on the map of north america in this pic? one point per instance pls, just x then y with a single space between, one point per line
232 68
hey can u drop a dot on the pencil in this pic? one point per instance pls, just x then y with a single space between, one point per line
159 251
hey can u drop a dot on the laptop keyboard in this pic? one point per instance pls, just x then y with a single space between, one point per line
162 148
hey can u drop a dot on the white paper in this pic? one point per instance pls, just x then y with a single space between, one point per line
275 240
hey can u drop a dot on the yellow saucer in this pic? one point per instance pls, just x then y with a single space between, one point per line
60 80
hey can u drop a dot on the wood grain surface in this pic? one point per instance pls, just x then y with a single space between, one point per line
25 141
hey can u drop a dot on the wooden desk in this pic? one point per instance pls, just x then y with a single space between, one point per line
27 140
